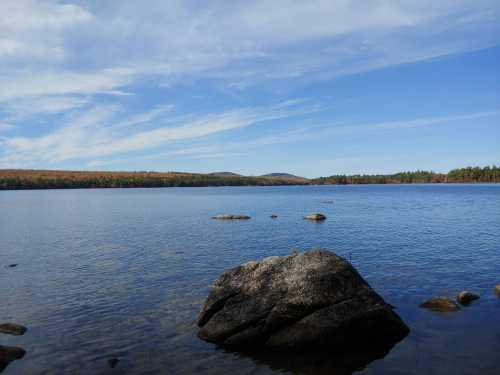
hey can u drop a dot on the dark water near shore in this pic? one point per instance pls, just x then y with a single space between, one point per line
122 273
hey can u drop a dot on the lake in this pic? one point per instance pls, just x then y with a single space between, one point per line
122 273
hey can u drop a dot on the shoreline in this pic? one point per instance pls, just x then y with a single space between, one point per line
250 185
31 179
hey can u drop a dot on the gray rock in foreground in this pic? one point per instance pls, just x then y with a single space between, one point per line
12 329
9 354
297 302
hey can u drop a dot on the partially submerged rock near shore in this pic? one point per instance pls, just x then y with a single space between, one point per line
12 329
440 304
465 298
231 217
9 354
315 217
497 290
298 302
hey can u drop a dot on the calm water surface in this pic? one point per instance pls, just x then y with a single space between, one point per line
123 272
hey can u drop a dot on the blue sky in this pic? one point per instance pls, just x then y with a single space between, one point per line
312 88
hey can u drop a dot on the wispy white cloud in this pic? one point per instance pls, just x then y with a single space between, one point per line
40 15
32 30
5 126
21 84
24 108
296 135
323 130
16 49
99 132
145 117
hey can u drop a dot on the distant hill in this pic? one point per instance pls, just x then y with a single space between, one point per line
224 174
285 176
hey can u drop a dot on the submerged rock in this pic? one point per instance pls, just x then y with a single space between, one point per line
113 362
465 298
274 216
9 354
497 290
12 329
12 265
440 304
297 302
231 217
315 217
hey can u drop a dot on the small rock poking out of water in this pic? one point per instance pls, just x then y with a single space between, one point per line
12 329
299 302
113 362
440 304
497 290
9 354
465 298
231 217
274 216
315 217
12 265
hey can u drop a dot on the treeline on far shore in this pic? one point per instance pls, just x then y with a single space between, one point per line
461 175
20 179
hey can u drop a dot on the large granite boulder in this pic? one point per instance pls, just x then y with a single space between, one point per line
297 302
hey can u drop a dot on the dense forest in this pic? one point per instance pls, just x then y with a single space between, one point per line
462 175
18 179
